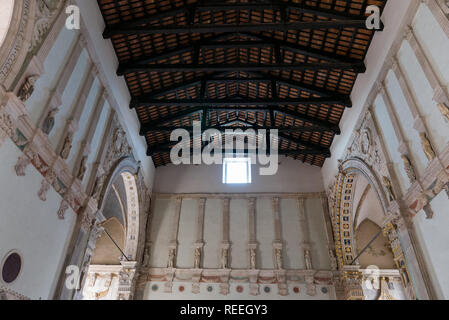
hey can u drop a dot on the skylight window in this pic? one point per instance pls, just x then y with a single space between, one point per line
237 170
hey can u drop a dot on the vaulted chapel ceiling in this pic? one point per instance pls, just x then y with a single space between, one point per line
279 64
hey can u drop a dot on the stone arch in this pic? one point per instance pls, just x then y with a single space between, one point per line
6 12
343 205
16 42
127 168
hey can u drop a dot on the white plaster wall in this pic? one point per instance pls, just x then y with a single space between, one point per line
292 176
318 235
291 234
434 40
187 233
434 239
213 233
150 294
161 220
69 98
31 227
406 122
83 126
423 94
264 233
391 142
53 67
239 236
96 141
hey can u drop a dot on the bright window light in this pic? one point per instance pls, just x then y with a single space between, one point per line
237 170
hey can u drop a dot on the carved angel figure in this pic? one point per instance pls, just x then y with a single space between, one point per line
427 147
197 258
444 109
389 188
278 258
409 168
171 258
252 253
224 258
65 152
82 169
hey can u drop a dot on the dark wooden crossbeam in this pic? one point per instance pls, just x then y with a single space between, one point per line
239 101
308 145
189 10
319 125
286 152
223 128
314 124
251 67
264 42
208 28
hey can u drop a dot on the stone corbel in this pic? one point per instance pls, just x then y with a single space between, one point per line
127 277
310 284
196 278
224 278
47 182
253 276
281 278
29 155
89 213
169 276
